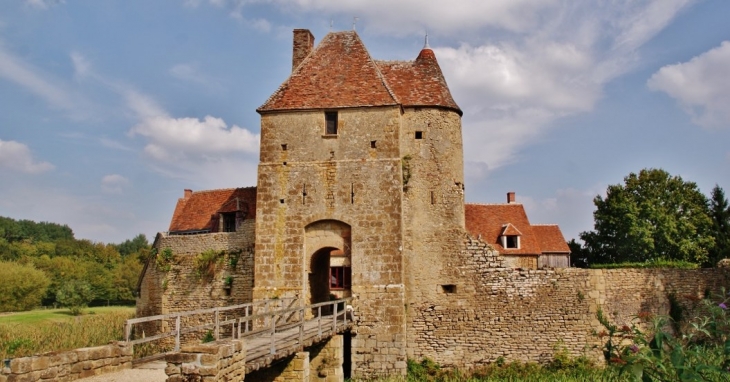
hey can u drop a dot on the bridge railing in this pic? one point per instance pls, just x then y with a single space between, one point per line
266 317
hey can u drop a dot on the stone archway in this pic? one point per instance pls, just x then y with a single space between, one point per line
328 249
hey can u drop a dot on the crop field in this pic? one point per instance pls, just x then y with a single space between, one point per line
40 331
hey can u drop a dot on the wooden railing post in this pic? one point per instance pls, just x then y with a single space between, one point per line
177 333
334 318
319 322
127 331
273 331
245 314
215 332
301 327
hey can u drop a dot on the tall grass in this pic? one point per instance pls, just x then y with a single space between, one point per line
20 339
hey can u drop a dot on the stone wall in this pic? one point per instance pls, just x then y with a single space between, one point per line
70 365
209 362
522 315
179 286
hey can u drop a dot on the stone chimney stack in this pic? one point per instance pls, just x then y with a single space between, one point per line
511 197
303 44
188 193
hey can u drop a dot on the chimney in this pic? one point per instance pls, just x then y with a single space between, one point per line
303 44
511 197
188 193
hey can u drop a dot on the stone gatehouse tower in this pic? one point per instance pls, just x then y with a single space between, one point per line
360 189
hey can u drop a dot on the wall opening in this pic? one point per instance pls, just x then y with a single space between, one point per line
419 134
347 355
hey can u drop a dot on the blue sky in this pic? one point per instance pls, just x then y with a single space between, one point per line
109 109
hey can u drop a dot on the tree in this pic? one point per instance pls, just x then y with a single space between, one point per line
75 295
22 286
653 215
720 214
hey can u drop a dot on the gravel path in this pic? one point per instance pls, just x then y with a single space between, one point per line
150 372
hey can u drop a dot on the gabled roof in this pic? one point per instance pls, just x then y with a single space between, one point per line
550 238
510 230
337 73
488 220
340 73
196 210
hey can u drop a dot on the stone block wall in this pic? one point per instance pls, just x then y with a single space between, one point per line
211 362
70 365
522 315
182 287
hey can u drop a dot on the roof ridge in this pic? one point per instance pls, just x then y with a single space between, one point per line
223 189
380 74
546 224
493 204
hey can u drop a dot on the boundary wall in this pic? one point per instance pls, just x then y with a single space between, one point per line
526 315
70 365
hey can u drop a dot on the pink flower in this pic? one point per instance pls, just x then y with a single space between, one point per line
722 305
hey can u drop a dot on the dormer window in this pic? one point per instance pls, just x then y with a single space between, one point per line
511 242
228 222
330 121
510 237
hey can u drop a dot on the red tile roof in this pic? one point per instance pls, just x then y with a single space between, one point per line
494 220
340 73
551 238
419 82
197 210
489 220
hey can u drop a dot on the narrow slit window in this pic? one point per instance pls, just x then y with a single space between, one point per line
352 193
330 118
304 194
433 197
419 134
448 288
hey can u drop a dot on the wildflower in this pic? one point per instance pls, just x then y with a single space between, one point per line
722 305
634 348
617 360
625 329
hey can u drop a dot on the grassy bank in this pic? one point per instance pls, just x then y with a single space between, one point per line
40 331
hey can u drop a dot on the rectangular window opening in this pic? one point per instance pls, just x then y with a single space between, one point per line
330 118
448 288
419 134
512 242
228 222
433 197
352 193
281 201
283 147
340 277
372 144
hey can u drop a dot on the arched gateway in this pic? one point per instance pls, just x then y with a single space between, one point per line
328 260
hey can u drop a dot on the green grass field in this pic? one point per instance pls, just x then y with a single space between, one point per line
45 330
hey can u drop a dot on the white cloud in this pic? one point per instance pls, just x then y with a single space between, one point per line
172 139
82 67
43 4
701 86
16 156
114 184
16 70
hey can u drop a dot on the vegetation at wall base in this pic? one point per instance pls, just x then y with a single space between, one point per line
657 348
655 263
41 331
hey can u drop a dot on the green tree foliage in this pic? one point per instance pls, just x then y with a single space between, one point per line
110 270
22 286
720 214
75 295
653 215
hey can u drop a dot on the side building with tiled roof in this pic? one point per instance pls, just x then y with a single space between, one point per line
506 227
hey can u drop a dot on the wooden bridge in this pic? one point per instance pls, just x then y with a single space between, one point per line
272 329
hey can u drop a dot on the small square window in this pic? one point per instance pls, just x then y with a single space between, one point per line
448 288
283 147
372 144
330 118
419 134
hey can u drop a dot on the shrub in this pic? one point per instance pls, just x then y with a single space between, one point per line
22 286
